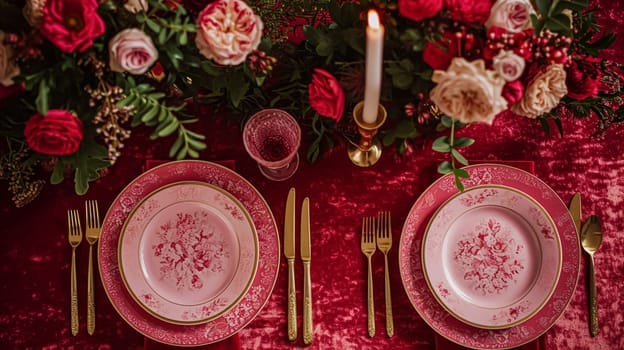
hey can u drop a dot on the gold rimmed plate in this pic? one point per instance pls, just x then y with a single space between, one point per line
491 256
188 252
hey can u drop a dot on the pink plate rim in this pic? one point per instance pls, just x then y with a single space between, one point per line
236 318
475 314
421 297
142 282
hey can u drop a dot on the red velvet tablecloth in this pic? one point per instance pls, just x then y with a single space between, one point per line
35 255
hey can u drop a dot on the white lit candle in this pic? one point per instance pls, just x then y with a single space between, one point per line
374 66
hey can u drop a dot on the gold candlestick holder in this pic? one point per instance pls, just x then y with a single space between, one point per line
368 150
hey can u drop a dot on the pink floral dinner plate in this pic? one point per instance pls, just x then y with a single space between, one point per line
491 256
234 319
425 302
188 252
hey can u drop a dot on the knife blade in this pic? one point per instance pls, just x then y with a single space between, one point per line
575 211
306 257
289 253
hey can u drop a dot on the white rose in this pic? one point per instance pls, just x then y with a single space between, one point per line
131 51
228 31
543 93
511 15
135 6
468 92
8 68
508 65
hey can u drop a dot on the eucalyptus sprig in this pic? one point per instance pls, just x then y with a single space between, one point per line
151 110
450 144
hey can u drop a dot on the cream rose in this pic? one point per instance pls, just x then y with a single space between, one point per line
543 93
33 11
131 51
136 6
508 65
511 15
8 68
468 92
227 31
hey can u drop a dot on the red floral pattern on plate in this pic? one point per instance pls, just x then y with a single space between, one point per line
188 246
421 297
252 302
481 245
489 256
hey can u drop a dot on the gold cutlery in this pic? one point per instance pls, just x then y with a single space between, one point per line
306 257
591 237
92 234
368 249
75 237
575 211
289 253
384 243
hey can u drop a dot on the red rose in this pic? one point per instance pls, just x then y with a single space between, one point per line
59 133
469 11
417 10
326 95
582 80
513 92
438 55
71 24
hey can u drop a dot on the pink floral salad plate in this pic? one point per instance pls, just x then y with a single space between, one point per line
491 255
188 252
228 322
424 300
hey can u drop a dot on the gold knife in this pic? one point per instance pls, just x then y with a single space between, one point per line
305 258
575 211
289 253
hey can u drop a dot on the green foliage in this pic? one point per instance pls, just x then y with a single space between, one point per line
553 15
149 109
450 144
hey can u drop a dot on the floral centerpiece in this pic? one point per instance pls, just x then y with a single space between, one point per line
77 75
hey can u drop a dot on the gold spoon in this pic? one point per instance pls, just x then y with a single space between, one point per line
591 236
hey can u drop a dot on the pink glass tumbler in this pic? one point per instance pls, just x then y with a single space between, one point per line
272 138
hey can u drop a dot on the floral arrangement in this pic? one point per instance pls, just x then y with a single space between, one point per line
77 75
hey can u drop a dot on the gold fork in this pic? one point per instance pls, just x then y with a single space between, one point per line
384 243
75 236
368 248
93 234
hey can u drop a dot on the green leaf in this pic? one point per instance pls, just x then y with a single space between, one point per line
458 156
183 38
152 25
463 142
169 129
238 88
458 183
543 6
58 173
42 97
441 144
445 167
176 145
461 173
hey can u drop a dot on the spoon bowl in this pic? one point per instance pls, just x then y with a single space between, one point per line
591 237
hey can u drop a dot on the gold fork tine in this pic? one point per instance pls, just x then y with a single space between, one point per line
368 249
384 243
93 234
75 237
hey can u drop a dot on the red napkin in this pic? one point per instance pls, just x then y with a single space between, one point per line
442 343
231 343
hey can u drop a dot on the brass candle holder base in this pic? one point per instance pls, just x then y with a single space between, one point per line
368 150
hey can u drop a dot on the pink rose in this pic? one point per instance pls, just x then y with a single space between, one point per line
131 51
326 95
469 11
512 15
417 10
71 24
508 65
228 31
59 133
513 92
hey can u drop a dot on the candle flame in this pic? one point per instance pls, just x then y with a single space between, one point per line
373 19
